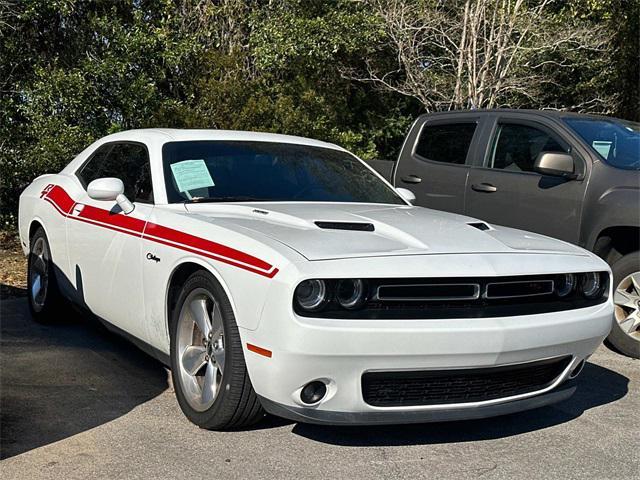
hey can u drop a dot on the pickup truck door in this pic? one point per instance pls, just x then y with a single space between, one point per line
505 190
435 160
105 245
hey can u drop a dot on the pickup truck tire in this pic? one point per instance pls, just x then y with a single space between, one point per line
625 335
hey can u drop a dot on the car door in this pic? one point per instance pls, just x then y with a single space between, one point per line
435 160
506 190
105 245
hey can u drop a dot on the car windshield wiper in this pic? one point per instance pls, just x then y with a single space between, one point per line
238 198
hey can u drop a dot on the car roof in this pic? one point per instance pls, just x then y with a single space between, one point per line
164 135
542 113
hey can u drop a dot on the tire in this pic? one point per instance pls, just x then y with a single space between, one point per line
45 299
200 362
625 333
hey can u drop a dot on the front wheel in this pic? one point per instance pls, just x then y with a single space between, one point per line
625 334
207 363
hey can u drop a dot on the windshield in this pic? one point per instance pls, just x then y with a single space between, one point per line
239 171
616 141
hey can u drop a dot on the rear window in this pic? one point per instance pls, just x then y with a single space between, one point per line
446 143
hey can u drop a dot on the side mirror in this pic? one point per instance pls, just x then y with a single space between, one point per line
556 164
408 195
110 189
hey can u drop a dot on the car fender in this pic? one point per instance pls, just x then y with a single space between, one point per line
204 265
616 207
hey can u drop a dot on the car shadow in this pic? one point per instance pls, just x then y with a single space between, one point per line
59 380
596 386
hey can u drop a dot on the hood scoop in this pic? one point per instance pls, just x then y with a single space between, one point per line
352 226
480 226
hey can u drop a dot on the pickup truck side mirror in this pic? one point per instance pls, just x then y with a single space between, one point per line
556 164
408 195
110 189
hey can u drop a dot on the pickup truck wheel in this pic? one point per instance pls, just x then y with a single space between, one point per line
625 334
44 296
207 362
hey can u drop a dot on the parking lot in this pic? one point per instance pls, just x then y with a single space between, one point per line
79 402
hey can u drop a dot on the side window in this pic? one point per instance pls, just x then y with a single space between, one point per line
446 143
91 169
516 147
127 161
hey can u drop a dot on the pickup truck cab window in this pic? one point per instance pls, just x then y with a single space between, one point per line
516 147
446 143
127 161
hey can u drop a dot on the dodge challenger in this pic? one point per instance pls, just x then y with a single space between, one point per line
280 274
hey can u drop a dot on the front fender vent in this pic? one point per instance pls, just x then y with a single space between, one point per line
354 226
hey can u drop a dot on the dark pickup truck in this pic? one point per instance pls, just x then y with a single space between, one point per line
569 176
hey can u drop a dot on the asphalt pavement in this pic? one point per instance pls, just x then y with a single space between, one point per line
79 402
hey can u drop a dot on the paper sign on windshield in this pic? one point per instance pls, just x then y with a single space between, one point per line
191 174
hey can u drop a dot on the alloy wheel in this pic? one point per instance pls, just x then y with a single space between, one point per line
201 353
627 305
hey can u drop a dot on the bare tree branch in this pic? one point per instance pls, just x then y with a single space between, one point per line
475 53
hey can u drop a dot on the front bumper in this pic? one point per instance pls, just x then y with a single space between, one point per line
338 352
393 417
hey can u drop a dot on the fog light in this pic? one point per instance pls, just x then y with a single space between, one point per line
313 392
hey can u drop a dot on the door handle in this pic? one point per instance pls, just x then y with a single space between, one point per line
484 187
411 179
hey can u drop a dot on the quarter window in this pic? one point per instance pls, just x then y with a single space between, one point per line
446 143
127 161
516 147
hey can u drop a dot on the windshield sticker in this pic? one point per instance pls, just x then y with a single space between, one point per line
191 174
602 147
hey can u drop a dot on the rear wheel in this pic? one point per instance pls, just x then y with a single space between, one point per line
207 363
625 334
45 298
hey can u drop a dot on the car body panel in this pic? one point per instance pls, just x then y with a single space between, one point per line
398 230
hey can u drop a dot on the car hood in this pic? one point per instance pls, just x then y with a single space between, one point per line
383 230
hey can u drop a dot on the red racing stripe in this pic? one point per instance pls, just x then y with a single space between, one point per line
61 198
214 248
64 204
113 219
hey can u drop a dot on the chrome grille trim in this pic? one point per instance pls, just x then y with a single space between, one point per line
387 297
548 283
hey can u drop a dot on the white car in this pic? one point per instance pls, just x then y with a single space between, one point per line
282 274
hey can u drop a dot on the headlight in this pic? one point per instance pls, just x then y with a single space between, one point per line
350 293
311 294
591 284
565 284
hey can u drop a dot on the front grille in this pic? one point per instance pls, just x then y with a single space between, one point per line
455 297
519 289
428 292
441 387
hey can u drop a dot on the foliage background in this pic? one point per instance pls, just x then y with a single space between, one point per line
72 71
